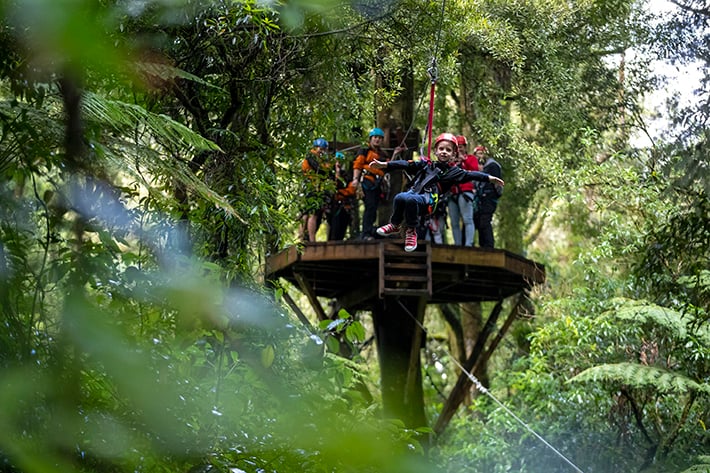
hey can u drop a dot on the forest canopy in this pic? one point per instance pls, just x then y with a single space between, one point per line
151 159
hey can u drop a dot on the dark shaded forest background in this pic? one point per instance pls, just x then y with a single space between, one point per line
150 154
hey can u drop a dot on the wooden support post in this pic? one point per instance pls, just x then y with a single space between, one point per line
311 295
299 313
398 343
415 363
499 336
464 383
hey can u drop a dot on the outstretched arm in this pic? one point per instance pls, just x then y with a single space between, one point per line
378 164
495 180
479 176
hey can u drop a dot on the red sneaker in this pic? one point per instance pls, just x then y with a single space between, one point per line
410 240
388 229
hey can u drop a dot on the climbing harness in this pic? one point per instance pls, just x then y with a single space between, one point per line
482 389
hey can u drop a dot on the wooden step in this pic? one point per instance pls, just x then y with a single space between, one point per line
405 292
404 255
406 266
404 273
406 278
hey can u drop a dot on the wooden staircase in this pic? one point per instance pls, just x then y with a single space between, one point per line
402 273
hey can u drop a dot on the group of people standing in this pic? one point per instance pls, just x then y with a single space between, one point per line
328 193
445 183
471 206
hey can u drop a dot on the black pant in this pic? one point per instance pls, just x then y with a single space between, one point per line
338 223
371 199
483 220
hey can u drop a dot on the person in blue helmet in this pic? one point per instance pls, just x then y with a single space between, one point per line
431 180
370 179
319 187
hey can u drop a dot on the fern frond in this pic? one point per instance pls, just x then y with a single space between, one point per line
646 313
641 377
122 116
703 467
148 164
670 321
167 73
140 156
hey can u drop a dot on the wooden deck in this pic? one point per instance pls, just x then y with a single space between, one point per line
352 271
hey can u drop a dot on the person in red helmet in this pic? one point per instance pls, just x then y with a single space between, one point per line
432 178
488 195
462 200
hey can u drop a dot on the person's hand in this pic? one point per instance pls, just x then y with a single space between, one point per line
378 164
496 180
399 150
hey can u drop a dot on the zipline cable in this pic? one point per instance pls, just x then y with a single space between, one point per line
482 389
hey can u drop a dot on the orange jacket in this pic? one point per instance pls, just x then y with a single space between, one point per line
346 192
316 171
363 159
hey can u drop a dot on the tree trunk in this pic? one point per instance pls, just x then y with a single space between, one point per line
399 341
472 322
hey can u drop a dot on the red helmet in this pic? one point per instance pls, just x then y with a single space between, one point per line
480 148
447 137
461 140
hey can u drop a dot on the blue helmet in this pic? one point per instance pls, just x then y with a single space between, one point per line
320 143
377 132
339 155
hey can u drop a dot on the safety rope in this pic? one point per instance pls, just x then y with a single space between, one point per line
482 389
433 72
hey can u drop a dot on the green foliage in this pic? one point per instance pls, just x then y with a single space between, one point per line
199 394
703 465
673 265
120 352
635 376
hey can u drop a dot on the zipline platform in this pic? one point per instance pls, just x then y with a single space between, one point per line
358 273
395 287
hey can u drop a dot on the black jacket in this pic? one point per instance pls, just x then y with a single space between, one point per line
489 190
435 177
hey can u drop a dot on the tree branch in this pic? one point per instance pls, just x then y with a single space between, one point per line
638 416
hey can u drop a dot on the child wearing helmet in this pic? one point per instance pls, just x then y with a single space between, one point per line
432 178
319 187
340 208
463 200
369 180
